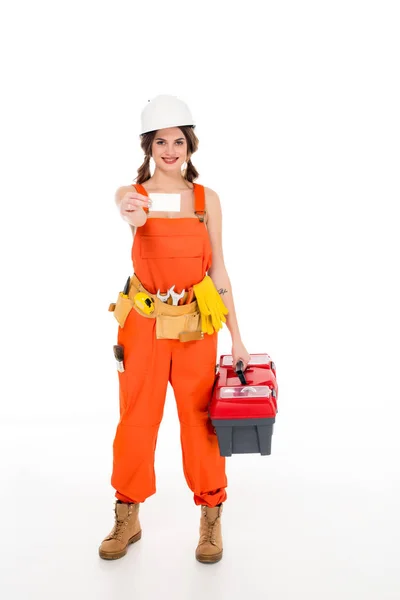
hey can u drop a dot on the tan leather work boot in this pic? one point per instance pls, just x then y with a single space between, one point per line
126 531
209 549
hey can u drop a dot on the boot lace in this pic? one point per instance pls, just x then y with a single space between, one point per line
118 530
209 534
119 527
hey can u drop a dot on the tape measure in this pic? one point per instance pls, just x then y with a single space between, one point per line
144 302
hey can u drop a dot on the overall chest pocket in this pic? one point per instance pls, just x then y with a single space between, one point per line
164 246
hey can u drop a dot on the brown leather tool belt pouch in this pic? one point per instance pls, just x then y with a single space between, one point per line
181 322
124 304
174 326
123 307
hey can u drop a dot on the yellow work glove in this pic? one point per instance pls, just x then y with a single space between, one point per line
211 307
218 309
206 324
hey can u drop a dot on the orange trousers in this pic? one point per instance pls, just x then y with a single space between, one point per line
150 364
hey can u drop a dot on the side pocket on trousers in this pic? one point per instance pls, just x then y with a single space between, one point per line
122 308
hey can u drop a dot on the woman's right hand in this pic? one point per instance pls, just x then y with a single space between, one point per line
131 202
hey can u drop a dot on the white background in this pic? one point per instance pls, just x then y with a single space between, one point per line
296 105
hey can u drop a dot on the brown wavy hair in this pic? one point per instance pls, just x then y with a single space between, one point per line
146 141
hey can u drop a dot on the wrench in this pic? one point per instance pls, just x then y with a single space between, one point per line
163 297
176 297
170 292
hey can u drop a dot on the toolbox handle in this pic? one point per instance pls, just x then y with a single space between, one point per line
222 374
239 372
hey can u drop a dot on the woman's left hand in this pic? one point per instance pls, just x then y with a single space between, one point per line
239 352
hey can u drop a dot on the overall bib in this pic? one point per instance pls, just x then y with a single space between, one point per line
167 252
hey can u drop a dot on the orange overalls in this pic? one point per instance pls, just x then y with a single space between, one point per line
167 252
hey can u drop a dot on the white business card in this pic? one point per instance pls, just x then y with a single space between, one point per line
165 202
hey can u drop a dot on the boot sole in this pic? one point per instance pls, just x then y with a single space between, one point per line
203 558
121 553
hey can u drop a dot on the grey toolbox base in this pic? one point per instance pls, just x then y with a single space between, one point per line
244 436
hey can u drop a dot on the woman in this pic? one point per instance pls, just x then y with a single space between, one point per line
170 249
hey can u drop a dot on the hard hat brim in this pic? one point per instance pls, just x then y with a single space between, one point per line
192 125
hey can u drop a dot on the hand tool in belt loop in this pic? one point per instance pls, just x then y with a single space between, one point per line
144 302
190 295
175 297
163 297
141 299
126 288
119 357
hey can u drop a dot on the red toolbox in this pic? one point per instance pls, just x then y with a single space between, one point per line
243 405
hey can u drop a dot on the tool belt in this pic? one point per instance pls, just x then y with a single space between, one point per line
182 322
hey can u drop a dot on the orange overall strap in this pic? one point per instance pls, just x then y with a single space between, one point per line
199 201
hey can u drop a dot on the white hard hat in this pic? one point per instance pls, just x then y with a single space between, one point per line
165 111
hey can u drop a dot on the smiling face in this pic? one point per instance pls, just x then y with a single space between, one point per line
169 149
